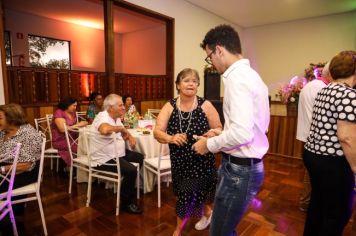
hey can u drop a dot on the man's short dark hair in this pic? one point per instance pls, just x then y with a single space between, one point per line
225 36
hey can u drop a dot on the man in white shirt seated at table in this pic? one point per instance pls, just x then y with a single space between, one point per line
106 123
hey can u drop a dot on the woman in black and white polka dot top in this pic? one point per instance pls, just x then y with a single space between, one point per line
330 151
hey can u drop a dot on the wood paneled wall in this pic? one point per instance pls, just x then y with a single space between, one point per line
33 86
281 136
39 90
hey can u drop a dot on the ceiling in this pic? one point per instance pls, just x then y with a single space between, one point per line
250 13
245 13
83 12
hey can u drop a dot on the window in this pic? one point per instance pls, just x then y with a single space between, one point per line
48 53
7 43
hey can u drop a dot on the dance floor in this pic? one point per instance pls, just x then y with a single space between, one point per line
273 212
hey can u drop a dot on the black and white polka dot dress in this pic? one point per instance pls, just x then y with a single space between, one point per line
334 102
194 176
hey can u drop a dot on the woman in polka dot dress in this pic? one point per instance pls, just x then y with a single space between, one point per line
330 153
194 176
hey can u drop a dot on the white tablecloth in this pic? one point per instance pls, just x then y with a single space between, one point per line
146 144
150 148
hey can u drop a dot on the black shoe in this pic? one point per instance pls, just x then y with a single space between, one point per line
132 209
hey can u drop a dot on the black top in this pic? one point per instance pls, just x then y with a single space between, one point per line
194 176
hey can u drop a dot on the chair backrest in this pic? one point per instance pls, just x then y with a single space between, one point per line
49 118
164 155
40 171
153 113
72 138
81 115
9 176
93 147
43 125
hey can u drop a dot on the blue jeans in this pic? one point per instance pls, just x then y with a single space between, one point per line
237 185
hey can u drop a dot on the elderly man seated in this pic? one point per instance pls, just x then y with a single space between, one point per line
106 123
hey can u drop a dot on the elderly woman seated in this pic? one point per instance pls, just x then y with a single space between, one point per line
14 129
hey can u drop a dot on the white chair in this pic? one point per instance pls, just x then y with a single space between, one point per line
44 125
9 177
80 161
137 165
81 115
137 178
32 191
153 113
100 174
160 166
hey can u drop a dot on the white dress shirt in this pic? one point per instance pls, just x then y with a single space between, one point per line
102 149
246 113
305 107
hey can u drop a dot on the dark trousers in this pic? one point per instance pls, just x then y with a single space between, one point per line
332 194
128 171
23 179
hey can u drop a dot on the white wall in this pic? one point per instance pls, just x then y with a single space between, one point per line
191 25
281 51
144 51
277 51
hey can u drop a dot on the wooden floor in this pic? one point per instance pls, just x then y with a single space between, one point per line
273 212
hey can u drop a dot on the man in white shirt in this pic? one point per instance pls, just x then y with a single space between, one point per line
243 141
106 123
305 111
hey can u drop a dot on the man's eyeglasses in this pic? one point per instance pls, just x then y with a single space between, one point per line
208 58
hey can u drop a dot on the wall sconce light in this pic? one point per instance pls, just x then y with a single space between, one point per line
84 82
87 83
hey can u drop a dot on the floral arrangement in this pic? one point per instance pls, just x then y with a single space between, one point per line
289 93
130 119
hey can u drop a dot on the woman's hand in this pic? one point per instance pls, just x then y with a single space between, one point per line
82 123
78 125
212 133
179 139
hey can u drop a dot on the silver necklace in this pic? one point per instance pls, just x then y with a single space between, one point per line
181 117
